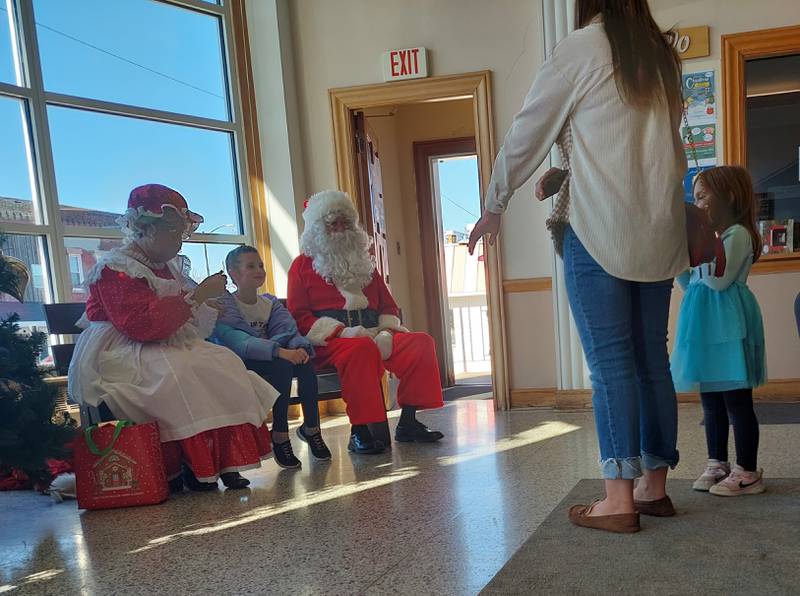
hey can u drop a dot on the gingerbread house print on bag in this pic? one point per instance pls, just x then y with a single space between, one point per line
115 472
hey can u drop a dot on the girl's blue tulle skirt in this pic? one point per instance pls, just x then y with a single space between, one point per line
719 345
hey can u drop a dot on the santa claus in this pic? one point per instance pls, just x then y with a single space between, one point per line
343 306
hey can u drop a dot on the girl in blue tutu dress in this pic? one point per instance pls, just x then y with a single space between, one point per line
719 347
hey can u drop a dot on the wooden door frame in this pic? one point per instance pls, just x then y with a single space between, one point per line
477 87
737 49
433 272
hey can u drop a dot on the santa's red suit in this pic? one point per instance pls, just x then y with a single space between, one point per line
358 360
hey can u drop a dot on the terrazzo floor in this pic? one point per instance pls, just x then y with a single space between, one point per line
421 519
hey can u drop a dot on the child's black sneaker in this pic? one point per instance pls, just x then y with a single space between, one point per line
284 456
315 443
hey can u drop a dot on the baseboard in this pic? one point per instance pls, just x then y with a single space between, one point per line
550 397
533 398
775 391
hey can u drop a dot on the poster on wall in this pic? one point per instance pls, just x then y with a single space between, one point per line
705 143
699 93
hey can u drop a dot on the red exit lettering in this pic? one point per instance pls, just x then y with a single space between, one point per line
404 62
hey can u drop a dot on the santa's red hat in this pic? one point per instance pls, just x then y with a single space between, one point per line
329 203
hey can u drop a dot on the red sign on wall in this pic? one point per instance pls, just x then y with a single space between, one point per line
411 63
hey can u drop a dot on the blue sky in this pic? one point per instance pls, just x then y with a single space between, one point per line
99 158
460 192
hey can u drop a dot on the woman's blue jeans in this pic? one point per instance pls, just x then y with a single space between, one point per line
623 329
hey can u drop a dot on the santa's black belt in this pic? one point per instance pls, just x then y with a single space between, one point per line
366 317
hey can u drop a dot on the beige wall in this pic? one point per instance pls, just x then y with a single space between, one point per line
340 43
726 16
532 361
775 292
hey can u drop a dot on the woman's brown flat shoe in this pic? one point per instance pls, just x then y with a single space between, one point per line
621 523
659 508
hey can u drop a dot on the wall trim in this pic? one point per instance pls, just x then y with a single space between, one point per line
737 49
527 284
775 391
789 263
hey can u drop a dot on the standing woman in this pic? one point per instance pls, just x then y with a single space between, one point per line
610 96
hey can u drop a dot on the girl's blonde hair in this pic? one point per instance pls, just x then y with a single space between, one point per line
733 186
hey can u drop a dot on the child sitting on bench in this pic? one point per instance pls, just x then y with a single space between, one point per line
264 334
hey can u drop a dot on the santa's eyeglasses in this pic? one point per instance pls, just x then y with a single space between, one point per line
338 218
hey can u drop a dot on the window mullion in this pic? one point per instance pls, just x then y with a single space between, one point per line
239 147
131 111
43 151
26 229
8 90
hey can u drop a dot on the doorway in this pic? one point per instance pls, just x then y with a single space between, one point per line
448 193
474 88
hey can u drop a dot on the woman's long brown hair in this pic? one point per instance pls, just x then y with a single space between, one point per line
647 68
733 187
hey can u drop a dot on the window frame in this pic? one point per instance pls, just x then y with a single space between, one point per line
241 127
737 49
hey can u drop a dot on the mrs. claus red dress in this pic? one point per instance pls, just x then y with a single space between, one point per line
144 354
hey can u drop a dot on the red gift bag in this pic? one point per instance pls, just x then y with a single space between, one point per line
127 471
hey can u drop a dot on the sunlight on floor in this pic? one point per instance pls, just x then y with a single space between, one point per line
31 579
260 513
543 432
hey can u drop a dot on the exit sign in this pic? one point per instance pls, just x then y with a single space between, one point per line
411 63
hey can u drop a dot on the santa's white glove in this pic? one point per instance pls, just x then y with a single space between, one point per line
384 341
357 331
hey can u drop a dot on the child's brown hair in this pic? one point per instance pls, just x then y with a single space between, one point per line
734 187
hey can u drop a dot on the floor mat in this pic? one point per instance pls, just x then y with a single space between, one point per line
467 391
715 545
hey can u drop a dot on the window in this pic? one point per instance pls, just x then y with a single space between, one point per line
773 130
76 271
32 252
9 63
101 97
136 52
761 107
16 173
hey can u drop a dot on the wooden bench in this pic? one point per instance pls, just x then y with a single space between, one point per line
61 319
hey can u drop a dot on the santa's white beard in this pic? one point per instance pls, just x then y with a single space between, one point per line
340 258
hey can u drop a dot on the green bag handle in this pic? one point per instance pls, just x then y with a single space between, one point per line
119 425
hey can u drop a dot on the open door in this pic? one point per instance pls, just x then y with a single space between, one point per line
370 184
455 289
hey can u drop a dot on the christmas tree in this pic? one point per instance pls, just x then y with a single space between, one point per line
29 435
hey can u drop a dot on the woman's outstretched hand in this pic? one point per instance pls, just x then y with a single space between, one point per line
488 224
